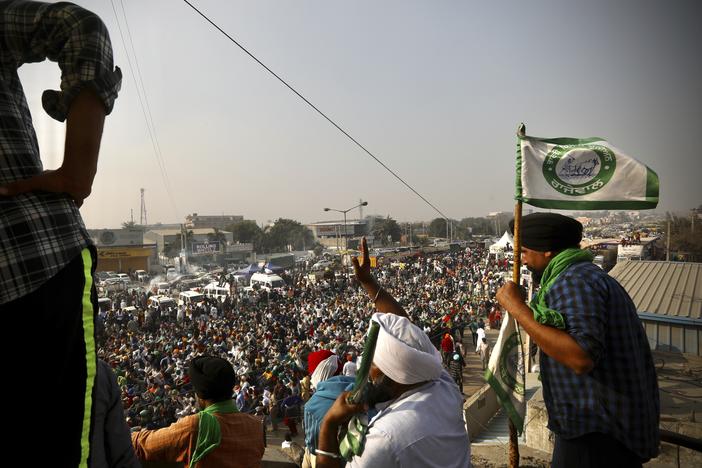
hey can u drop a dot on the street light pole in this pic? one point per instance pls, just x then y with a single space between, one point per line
346 238
346 241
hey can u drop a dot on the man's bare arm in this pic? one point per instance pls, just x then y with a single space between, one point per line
554 342
84 126
384 302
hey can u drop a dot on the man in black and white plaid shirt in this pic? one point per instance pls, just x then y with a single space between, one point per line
47 296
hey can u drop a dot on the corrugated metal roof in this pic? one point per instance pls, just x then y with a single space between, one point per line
672 289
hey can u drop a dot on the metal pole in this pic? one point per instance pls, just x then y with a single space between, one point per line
346 240
516 271
667 244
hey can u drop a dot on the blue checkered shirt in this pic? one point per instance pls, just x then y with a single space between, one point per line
619 396
41 232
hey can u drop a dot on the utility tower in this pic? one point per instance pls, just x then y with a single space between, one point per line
142 218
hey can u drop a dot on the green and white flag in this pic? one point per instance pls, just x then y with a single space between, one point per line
582 174
505 372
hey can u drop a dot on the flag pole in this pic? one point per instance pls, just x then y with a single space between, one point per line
513 443
516 269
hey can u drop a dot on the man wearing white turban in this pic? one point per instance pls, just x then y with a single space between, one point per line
419 421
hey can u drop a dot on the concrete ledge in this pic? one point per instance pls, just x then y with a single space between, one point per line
479 409
275 458
537 435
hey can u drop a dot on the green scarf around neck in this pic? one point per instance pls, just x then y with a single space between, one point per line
560 262
209 435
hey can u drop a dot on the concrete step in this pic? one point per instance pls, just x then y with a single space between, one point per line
497 429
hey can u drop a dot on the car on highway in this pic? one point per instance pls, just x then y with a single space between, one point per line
123 277
141 275
322 264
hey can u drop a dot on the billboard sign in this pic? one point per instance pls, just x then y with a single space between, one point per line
333 230
200 248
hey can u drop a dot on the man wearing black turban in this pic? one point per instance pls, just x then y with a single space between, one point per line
218 436
599 383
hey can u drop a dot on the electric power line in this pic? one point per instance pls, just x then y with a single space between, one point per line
316 109
147 117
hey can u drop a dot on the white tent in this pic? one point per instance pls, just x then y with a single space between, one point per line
501 245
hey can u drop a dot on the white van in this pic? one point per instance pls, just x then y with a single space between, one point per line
190 298
163 289
124 277
267 282
141 276
171 272
156 301
216 291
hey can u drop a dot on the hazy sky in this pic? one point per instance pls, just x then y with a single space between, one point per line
434 88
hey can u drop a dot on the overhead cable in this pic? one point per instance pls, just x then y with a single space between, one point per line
315 108
144 105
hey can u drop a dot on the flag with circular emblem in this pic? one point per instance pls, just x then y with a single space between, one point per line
505 373
582 174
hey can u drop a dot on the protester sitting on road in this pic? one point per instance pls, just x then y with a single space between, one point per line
218 436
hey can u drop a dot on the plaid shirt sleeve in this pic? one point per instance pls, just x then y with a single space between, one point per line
581 301
42 232
74 37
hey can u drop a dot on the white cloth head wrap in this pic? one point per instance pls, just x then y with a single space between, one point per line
404 352
324 370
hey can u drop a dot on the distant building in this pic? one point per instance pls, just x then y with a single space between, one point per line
164 238
112 237
123 250
644 249
202 243
240 253
333 233
221 222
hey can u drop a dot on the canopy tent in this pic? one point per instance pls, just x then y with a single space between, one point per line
506 242
249 270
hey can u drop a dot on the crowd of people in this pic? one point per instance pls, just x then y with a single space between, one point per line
267 336
168 363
